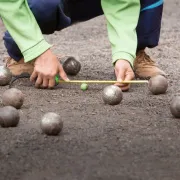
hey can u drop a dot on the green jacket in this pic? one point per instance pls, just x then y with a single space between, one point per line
122 17
22 26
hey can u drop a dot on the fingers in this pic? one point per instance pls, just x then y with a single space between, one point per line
120 74
42 81
62 73
51 83
124 74
33 76
45 83
39 81
128 77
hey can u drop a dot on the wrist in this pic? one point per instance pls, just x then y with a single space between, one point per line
123 56
35 51
123 61
44 55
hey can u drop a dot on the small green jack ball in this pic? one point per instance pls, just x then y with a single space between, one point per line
84 87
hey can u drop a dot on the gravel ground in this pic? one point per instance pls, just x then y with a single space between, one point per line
136 140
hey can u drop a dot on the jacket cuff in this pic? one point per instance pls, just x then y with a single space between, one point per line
123 55
36 50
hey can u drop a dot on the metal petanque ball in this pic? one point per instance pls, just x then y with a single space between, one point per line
5 76
71 66
158 85
112 95
9 117
51 124
175 107
13 97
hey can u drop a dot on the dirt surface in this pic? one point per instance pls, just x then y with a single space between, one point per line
136 140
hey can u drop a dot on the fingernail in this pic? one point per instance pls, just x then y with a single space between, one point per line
67 79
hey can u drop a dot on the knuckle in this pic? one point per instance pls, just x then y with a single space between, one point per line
45 74
52 75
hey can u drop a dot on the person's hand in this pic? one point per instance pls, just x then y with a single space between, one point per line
123 72
46 67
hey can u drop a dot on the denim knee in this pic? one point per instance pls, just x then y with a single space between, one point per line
12 48
49 15
149 25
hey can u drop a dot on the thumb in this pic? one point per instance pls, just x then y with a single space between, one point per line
129 77
121 75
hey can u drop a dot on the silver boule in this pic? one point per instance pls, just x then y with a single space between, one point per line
13 97
71 66
5 76
112 95
9 116
51 124
175 107
158 85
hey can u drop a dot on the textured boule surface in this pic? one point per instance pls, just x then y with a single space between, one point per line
51 124
158 85
175 107
5 76
9 116
112 95
13 97
71 66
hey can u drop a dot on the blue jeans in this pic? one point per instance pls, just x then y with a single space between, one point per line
51 16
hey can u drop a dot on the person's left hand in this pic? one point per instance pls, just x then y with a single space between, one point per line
123 72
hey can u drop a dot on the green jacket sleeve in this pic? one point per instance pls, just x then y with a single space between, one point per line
122 18
21 24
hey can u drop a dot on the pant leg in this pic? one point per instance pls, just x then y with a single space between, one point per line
12 48
50 17
148 29
149 25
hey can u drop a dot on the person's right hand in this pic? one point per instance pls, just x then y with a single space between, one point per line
123 72
46 67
